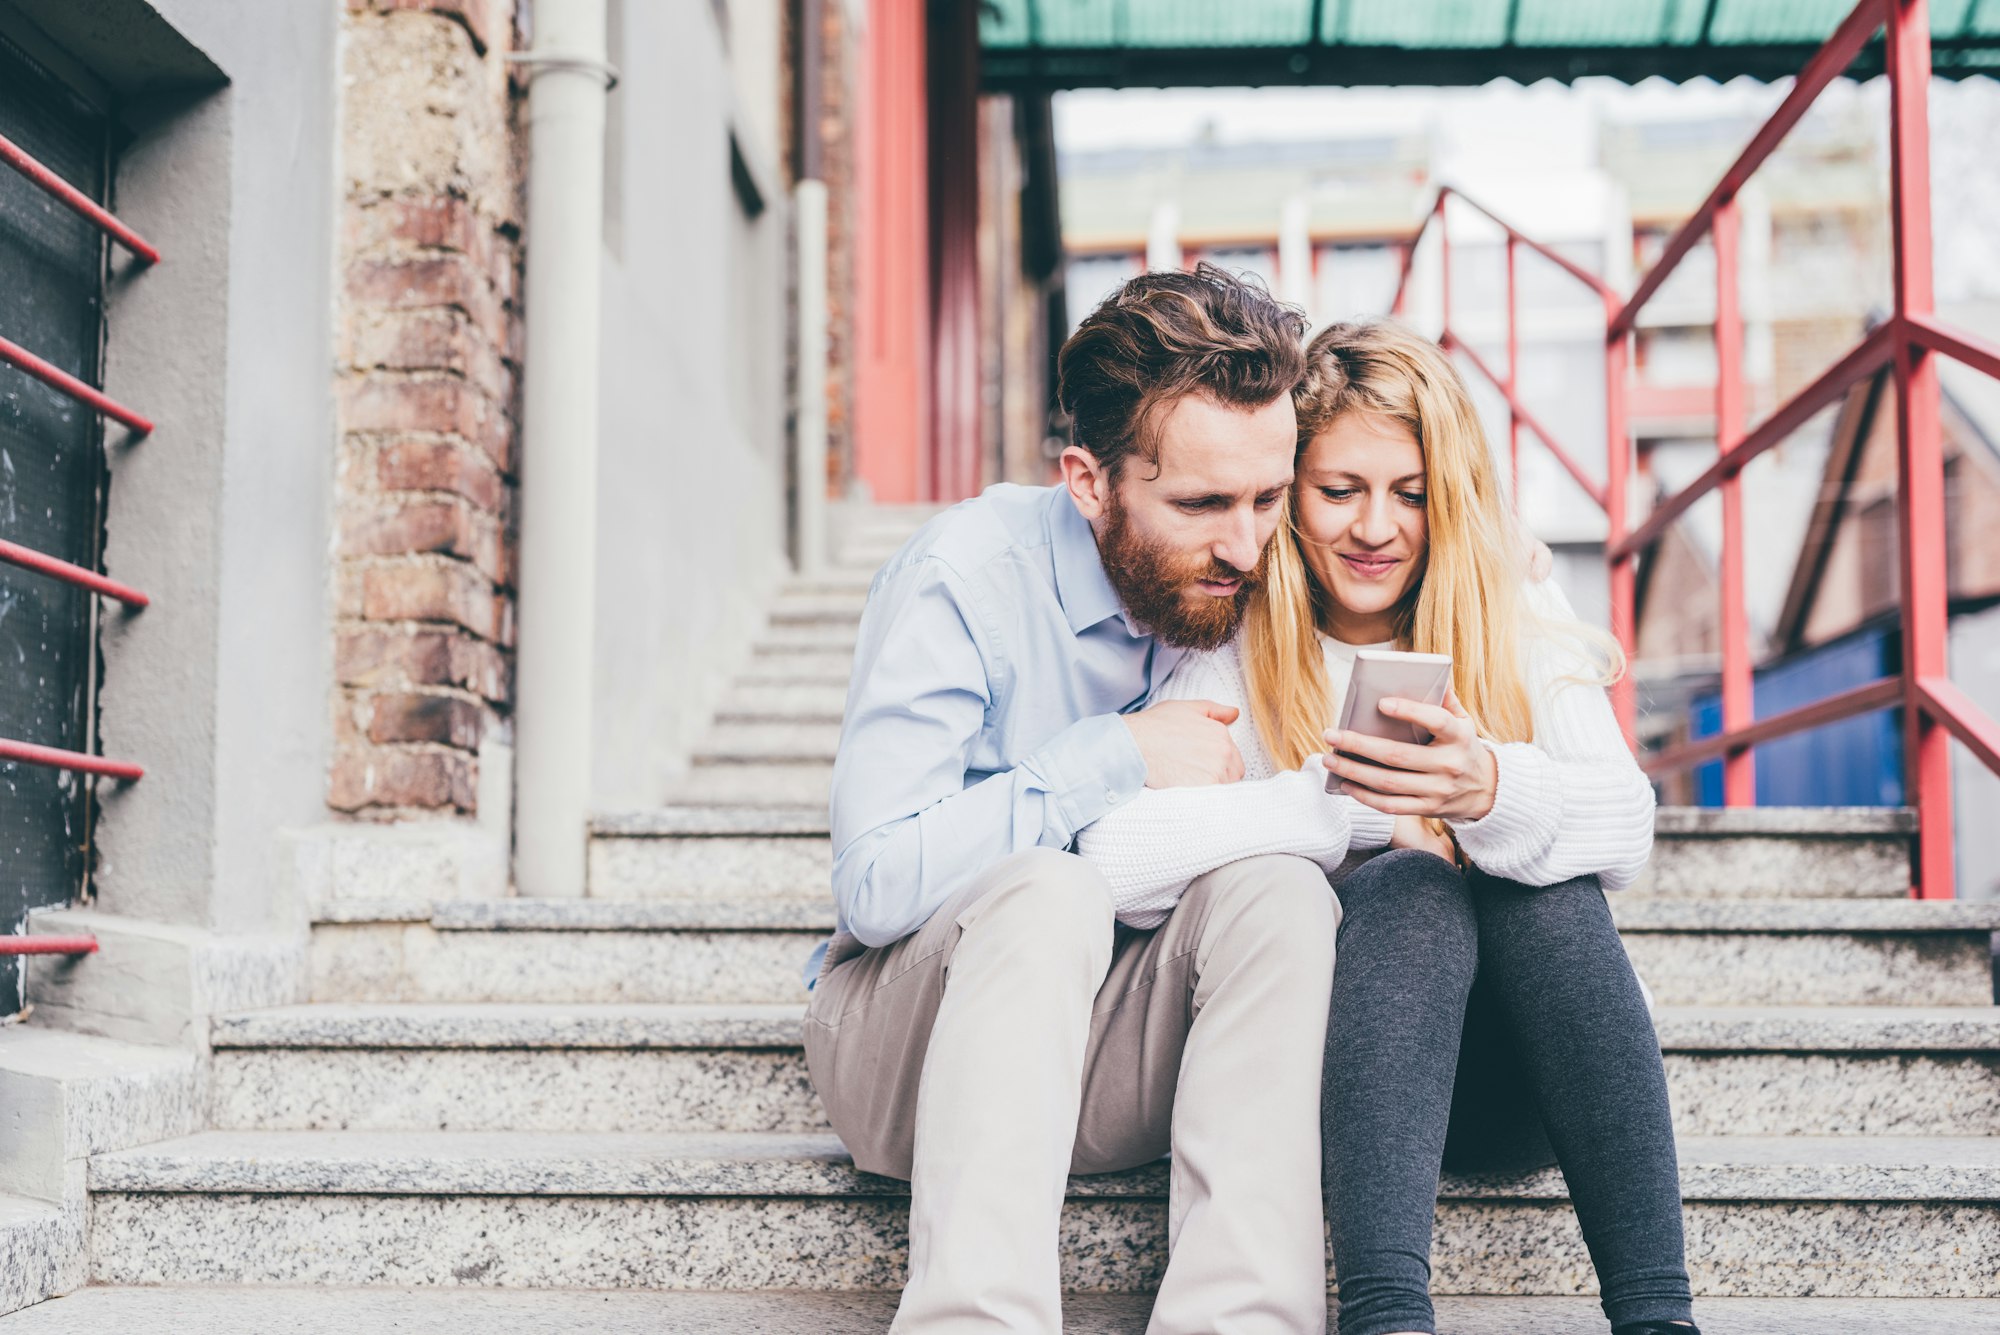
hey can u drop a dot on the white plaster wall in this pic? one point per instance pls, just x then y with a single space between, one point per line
691 501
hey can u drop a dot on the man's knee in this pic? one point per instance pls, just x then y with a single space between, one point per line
1052 899
1276 894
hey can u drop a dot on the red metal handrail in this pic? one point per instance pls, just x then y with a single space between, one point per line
1934 710
29 753
48 945
13 553
57 378
76 201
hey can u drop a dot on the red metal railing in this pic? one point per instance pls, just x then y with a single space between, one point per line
48 945
42 563
1934 710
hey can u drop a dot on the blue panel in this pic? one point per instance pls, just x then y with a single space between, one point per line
1856 762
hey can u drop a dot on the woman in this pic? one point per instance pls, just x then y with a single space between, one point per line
1484 1015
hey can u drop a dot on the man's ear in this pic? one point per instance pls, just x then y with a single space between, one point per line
1089 485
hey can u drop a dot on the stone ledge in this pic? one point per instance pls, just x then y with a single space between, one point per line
1802 915
659 915
1737 822
260 1310
1717 1168
717 822
500 1025
39 1253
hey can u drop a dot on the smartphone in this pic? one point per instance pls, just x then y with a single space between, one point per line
1381 674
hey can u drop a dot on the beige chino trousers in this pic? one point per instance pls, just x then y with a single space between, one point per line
1021 1035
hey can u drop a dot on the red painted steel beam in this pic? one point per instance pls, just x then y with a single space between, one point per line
1955 710
1970 349
1739 778
1623 569
48 945
1549 253
1826 65
1919 447
13 553
76 201
1867 357
58 379
1453 343
1883 694
29 753
1513 386
1396 303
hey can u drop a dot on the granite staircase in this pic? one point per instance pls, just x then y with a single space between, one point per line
603 1099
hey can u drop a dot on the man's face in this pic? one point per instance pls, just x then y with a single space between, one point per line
1183 544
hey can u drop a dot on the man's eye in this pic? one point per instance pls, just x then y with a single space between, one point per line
1413 499
1266 502
1196 507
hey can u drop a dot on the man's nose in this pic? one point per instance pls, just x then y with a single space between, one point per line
1238 547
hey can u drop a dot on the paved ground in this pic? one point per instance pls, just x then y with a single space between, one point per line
264 1311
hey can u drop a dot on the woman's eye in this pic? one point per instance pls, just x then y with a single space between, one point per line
1337 493
1413 499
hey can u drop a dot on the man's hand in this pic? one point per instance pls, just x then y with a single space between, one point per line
1186 743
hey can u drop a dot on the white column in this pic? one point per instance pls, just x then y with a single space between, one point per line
558 497
1163 237
1295 254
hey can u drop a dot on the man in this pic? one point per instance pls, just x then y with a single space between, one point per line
980 1025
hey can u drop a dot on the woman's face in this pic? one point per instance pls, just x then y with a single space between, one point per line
1361 515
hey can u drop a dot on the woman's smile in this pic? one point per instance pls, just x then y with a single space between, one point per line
1370 565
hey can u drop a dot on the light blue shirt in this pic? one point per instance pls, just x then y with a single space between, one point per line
982 719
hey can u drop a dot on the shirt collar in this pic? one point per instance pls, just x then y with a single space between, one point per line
1081 585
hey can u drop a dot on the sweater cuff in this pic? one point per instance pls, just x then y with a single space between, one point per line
1527 809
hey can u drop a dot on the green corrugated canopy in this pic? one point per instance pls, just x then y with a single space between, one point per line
1047 44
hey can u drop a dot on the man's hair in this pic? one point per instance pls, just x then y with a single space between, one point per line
1162 336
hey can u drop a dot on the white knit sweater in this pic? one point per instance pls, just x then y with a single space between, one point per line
1573 802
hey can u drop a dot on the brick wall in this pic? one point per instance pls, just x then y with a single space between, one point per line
840 47
428 348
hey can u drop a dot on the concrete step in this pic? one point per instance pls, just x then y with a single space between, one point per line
1766 1217
783 702
718 852
831 667
733 743
1708 855
1694 953
755 784
35 1241
781 638
290 1311
839 606
1760 852
1747 1071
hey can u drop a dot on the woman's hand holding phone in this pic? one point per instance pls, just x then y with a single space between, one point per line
1455 777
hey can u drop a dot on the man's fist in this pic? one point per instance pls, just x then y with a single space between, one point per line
1186 743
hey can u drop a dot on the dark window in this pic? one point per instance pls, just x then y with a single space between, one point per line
51 491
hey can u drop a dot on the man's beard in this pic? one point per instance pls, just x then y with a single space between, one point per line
1157 585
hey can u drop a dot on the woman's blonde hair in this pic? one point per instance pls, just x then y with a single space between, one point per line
1467 599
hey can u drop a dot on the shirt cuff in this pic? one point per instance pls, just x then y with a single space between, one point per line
1527 808
1088 768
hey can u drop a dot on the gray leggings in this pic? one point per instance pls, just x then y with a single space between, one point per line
1558 1064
